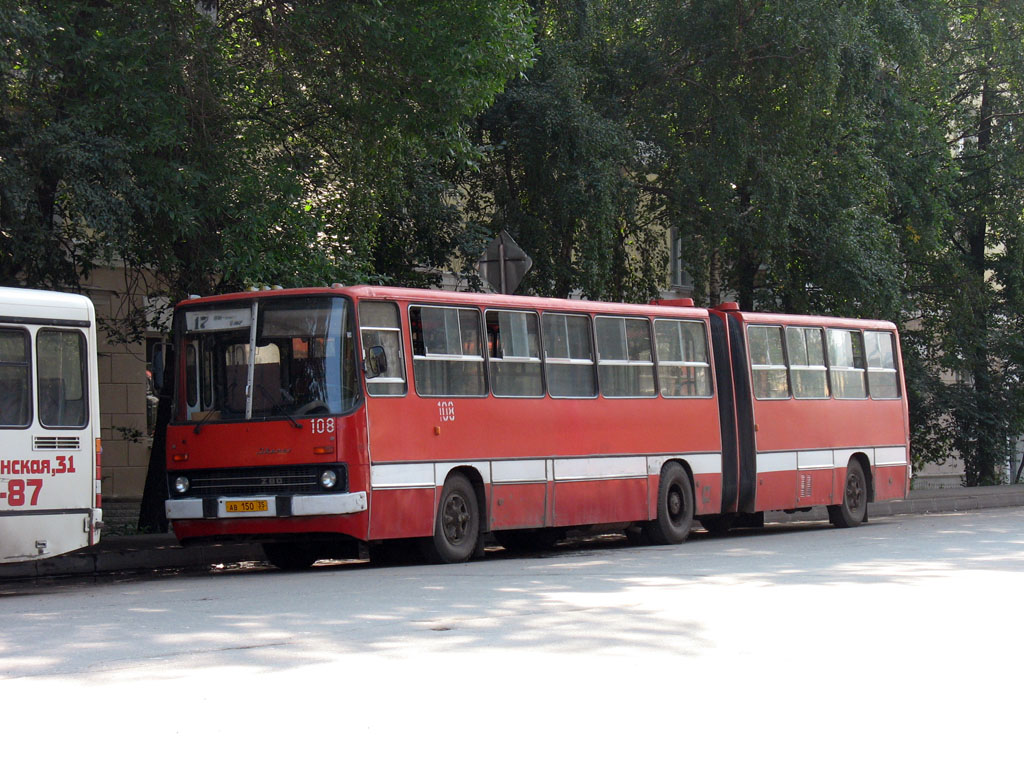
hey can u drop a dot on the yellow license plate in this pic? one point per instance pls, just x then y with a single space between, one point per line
254 505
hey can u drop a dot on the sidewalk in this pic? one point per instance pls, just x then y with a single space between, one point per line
162 551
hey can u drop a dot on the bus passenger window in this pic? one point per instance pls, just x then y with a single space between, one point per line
625 366
447 357
846 363
514 350
62 377
769 377
14 378
883 380
379 326
683 368
568 355
806 347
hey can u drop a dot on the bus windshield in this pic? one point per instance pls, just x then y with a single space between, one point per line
271 358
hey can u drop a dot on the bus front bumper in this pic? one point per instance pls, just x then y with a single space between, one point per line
229 508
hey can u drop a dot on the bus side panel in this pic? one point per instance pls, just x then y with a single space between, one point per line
814 487
518 505
707 493
890 483
604 501
29 537
776 486
402 513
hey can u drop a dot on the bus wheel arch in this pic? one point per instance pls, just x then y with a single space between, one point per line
675 505
856 492
458 521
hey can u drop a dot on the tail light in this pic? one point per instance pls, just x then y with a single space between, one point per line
99 474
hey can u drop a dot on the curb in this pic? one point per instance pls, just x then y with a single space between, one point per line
161 551
133 553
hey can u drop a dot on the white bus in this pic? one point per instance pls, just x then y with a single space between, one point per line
49 425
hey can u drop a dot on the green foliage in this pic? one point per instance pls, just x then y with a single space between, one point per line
858 157
559 157
969 286
218 145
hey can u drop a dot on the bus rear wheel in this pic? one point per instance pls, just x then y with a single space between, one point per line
675 507
457 524
854 509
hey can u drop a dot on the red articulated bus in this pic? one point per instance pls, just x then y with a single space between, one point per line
324 421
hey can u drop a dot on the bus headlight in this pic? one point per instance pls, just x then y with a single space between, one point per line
181 484
328 479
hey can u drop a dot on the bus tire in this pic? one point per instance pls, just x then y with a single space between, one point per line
457 524
675 507
289 557
854 509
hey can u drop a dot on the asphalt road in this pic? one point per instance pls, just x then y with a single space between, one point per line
899 642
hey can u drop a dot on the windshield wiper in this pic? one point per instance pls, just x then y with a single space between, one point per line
278 408
206 418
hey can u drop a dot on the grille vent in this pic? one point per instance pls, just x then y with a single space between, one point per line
54 443
262 480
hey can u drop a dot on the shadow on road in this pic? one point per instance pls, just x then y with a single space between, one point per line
585 597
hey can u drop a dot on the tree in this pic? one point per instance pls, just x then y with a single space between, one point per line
972 297
220 144
559 165
214 145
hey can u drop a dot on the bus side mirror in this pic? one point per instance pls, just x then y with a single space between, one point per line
158 364
376 362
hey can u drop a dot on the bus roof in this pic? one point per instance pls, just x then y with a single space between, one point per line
496 300
841 322
29 304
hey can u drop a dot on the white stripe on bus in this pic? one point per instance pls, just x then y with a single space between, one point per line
788 461
512 471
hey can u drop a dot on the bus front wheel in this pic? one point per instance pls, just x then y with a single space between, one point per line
457 525
675 507
854 509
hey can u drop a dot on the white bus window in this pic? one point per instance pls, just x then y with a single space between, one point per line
513 347
568 355
380 327
15 400
683 368
61 378
769 377
447 357
883 379
846 363
806 347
